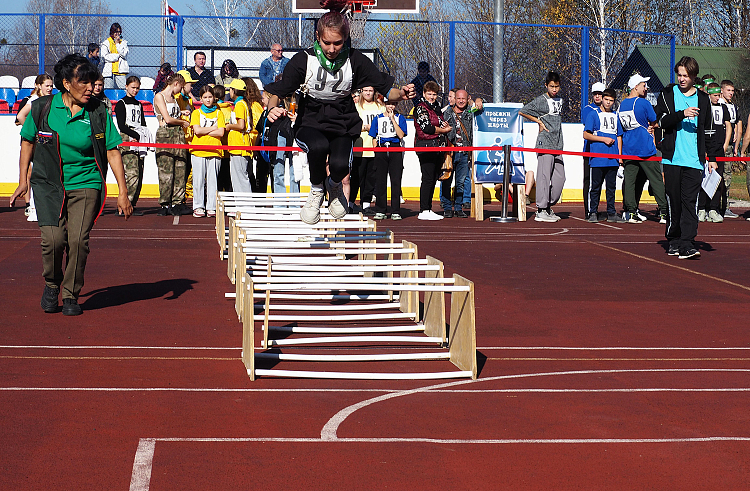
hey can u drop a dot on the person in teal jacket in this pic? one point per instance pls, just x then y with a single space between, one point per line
70 136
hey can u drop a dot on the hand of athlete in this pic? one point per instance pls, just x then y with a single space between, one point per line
608 141
691 112
18 193
124 206
276 113
712 166
542 127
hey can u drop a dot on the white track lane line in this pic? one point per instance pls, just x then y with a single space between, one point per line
330 429
597 223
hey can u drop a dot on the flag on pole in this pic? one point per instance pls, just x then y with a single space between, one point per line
170 23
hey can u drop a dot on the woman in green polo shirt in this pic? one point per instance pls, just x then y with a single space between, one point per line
70 137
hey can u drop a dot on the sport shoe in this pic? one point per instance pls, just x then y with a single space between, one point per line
551 213
32 215
662 217
337 204
71 307
26 211
543 216
164 211
674 250
631 217
310 213
614 219
199 213
395 216
691 253
378 216
211 213
701 215
401 200
593 218
730 214
641 215
428 215
714 216
448 213
49 299
460 214
466 206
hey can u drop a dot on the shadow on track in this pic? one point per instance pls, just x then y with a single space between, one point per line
134 292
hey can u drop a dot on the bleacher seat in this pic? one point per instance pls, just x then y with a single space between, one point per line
115 94
9 82
8 95
146 95
148 108
16 107
24 92
4 108
28 82
147 83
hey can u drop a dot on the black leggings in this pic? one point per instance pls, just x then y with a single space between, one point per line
325 148
388 164
430 163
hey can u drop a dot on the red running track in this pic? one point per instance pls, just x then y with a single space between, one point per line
605 364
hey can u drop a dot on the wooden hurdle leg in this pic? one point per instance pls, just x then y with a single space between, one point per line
230 249
463 337
240 270
478 208
409 301
434 305
220 227
519 202
267 307
248 328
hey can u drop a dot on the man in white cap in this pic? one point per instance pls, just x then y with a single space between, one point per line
595 106
638 119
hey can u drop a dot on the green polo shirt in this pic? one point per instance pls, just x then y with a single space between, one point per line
76 148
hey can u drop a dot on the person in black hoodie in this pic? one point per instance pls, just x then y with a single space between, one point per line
683 113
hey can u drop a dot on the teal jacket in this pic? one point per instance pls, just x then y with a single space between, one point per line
46 174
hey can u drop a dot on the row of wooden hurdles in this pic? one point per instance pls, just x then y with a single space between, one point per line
341 277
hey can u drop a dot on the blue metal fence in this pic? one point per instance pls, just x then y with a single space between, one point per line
460 52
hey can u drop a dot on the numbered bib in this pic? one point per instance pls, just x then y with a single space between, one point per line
718 113
607 123
207 122
732 112
628 120
386 128
133 115
326 86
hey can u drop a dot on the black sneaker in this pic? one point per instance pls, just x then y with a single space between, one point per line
181 209
136 213
164 211
448 213
49 299
71 307
593 218
460 214
614 219
673 250
691 253
466 207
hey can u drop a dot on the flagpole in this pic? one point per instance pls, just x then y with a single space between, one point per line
163 28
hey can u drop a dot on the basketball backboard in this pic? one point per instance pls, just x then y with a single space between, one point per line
381 6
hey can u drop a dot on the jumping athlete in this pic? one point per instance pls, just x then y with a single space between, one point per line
327 124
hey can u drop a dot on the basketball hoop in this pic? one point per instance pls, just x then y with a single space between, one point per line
357 12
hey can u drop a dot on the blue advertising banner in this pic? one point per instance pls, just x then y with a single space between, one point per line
498 125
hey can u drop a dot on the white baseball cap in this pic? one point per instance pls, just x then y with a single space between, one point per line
636 79
598 87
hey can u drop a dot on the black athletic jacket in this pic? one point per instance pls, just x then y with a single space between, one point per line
669 122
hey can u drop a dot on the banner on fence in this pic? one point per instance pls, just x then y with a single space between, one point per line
497 125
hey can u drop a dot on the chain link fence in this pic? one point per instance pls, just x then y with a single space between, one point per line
460 54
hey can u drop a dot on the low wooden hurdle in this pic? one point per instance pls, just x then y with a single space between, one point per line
351 286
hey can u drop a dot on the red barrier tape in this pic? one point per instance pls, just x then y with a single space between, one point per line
414 149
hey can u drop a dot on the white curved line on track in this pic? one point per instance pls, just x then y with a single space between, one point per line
330 429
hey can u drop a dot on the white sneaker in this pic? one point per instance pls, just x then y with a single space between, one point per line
701 215
543 216
641 215
32 215
402 200
551 213
429 215
337 203
714 216
310 213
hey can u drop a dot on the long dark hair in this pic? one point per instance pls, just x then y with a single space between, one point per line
229 68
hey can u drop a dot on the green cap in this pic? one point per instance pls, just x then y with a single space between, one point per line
714 90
